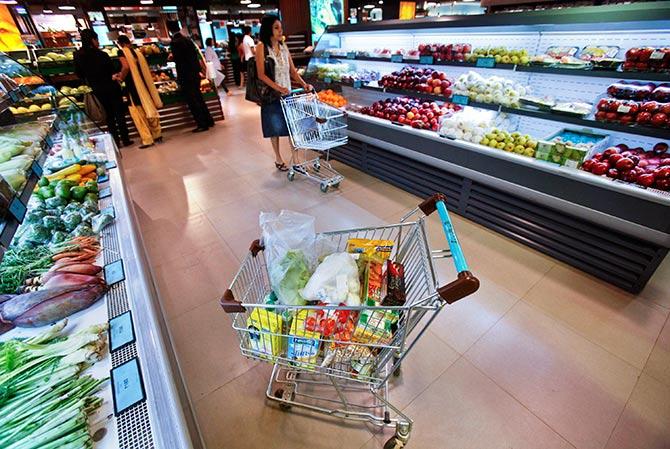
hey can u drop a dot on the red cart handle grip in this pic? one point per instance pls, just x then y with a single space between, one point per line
230 304
464 285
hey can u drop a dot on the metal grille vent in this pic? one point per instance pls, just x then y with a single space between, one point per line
134 428
124 354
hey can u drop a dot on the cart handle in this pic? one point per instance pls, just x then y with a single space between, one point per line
230 304
466 283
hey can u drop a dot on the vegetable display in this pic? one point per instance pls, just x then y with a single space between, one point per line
45 397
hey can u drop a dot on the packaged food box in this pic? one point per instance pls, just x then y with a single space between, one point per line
303 344
375 326
598 52
264 328
571 147
543 150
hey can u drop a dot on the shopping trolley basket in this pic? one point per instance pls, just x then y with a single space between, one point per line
314 126
333 373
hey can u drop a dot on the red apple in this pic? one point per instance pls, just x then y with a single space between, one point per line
598 157
665 108
662 184
611 116
624 164
660 147
650 106
632 54
643 118
612 173
665 161
659 119
588 165
614 158
600 168
610 151
646 180
626 119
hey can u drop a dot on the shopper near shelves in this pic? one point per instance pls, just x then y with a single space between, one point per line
272 118
143 98
248 49
212 57
96 68
235 41
190 70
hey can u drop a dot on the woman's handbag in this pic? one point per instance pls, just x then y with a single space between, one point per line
93 108
257 91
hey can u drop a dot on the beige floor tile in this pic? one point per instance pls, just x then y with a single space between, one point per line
382 200
644 423
237 416
227 191
240 215
658 365
464 409
197 279
240 242
603 314
340 214
573 385
174 237
207 350
657 289
177 204
461 324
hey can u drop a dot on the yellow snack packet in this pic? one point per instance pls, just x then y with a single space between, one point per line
377 250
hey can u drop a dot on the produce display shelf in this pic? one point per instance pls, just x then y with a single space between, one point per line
14 96
613 74
661 133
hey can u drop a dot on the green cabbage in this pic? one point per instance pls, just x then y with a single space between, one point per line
288 277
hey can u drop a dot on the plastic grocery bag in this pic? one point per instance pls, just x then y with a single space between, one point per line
335 281
289 240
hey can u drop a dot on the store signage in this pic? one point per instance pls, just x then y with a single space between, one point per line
104 193
427 59
17 209
127 386
351 55
328 80
114 272
121 332
357 84
460 99
110 165
487 62
109 211
37 169
396 58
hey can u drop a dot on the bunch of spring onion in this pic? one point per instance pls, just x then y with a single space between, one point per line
45 400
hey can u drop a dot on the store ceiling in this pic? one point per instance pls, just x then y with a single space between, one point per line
99 4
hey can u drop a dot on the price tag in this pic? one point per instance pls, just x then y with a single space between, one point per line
624 109
328 80
657 54
121 332
37 168
396 58
351 55
13 95
25 89
110 164
427 59
127 386
487 62
460 99
103 178
109 211
49 141
398 123
17 209
114 272
104 193
357 84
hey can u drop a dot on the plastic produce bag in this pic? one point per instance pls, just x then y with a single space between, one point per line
335 281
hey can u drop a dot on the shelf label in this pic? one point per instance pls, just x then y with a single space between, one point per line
460 99
13 95
121 332
127 386
328 80
487 62
49 141
103 178
17 209
110 164
624 109
37 168
427 59
396 58
357 84
24 89
104 193
114 272
397 123
109 211
351 55
657 54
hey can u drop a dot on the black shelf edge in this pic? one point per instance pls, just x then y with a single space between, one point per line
659 133
611 74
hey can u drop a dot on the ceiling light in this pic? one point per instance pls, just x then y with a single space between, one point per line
146 2
369 6
245 2
47 11
8 2
381 2
254 5
468 0
67 8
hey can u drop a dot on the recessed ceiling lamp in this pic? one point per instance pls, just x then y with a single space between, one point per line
245 2
468 1
146 2
8 2
254 5
67 8
369 6
381 2
47 11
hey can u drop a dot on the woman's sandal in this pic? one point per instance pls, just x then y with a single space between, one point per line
281 167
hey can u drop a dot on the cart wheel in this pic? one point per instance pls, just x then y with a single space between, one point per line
279 394
324 187
397 371
336 185
394 443
291 175
317 166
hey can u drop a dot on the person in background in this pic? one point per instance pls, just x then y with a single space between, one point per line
190 70
272 118
144 100
213 57
96 69
235 40
243 61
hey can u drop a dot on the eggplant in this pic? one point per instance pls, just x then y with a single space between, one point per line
5 327
19 304
61 306
60 279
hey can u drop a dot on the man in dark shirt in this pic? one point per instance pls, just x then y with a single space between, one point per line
96 68
189 65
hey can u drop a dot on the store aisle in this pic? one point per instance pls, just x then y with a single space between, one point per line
542 356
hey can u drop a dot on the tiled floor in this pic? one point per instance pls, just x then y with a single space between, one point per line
543 356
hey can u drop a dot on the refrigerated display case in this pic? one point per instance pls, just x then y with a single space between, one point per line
144 402
515 85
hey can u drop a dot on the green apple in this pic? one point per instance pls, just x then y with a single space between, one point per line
484 141
516 134
524 60
519 149
498 58
501 145
493 144
515 59
529 152
500 137
522 141
506 59
509 147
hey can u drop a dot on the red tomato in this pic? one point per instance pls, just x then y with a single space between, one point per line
327 327
310 324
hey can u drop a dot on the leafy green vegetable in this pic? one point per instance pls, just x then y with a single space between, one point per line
43 182
35 216
289 276
46 192
55 202
58 237
20 263
71 220
83 230
100 221
51 223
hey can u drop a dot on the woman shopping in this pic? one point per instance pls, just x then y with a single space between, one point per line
212 57
144 100
272 118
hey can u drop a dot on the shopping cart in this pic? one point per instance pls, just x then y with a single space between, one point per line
314 126
334 375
